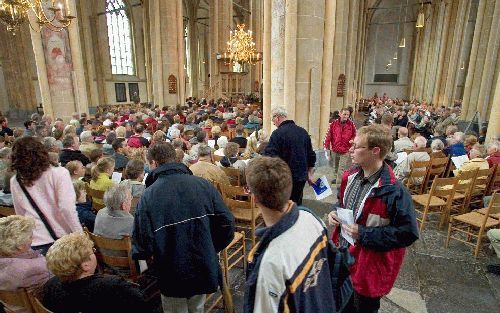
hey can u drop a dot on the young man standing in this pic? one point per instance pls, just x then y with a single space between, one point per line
337 140
384 218
288 269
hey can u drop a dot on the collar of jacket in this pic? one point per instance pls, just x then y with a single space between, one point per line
269 233
172 168
286 122
386 182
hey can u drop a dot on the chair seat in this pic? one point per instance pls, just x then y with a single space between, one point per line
476 219
484 210
423 199
244 214
458 196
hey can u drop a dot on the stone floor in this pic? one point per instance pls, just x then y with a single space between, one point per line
432 279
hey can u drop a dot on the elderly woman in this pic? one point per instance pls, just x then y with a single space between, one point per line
77 289
230 158
221 143
437 147
49 188
114 221
87 142
21 266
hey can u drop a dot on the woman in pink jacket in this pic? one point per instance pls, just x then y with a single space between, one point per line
48 196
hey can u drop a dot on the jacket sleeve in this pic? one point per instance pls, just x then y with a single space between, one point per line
328 137
402 230
273 147
222 224
66 201
311 155
142 234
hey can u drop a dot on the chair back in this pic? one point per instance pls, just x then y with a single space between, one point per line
444 188
34 295
135 202
437 169
234 175
17 297
495 181
232 133
418 173
123 245
236 198
466 181
95 194
483 179
6 211
493 207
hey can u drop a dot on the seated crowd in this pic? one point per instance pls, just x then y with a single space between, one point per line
131 171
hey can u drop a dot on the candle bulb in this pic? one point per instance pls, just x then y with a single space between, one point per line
60 6
67 8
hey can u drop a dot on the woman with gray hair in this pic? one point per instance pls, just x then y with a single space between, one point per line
221 143
114 221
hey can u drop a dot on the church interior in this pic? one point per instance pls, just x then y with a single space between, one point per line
432 66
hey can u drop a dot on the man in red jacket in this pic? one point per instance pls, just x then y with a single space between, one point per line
338 138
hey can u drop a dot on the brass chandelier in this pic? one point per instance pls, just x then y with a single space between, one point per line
241 47
52 14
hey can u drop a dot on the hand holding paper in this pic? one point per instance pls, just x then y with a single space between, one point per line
346 218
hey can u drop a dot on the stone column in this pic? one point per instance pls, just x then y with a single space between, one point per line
326 83
481 73
494 117
192 8
290 51
167 49
266 64
277 52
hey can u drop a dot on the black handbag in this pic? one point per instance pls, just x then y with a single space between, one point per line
37 209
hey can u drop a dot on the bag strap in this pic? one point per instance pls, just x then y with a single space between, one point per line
37 209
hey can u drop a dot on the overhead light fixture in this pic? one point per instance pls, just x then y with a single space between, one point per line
390 62
402 42
241 47
421 17
395 55
14 13
463 65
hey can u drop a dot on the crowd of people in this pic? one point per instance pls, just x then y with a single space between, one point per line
159 169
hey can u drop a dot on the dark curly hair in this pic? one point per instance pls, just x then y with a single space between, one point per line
29 159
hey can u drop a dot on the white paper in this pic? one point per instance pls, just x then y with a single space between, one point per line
322 188
459 161
145 176
346 217
117 177
401 157
142 266
211 143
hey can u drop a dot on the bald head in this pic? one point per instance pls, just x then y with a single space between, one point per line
402 132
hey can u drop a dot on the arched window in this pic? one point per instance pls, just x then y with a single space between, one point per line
120 41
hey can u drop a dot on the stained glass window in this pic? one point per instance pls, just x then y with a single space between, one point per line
120 38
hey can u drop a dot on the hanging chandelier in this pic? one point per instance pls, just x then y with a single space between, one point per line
241 47
420 17
52 14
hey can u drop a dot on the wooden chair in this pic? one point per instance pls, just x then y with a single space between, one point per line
233 254
480 189
242 205
437 169
418 172
18 298
439 199
234 175
474 225
494 181
6 211
463 191
34 297
123 246
232 133
95 194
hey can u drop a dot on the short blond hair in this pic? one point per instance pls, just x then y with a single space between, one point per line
66 255
79 186
377 136
15 230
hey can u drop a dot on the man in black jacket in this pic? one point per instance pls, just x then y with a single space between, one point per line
293 145
181 222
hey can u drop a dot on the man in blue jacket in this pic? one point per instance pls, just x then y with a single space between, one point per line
293 145
181 222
